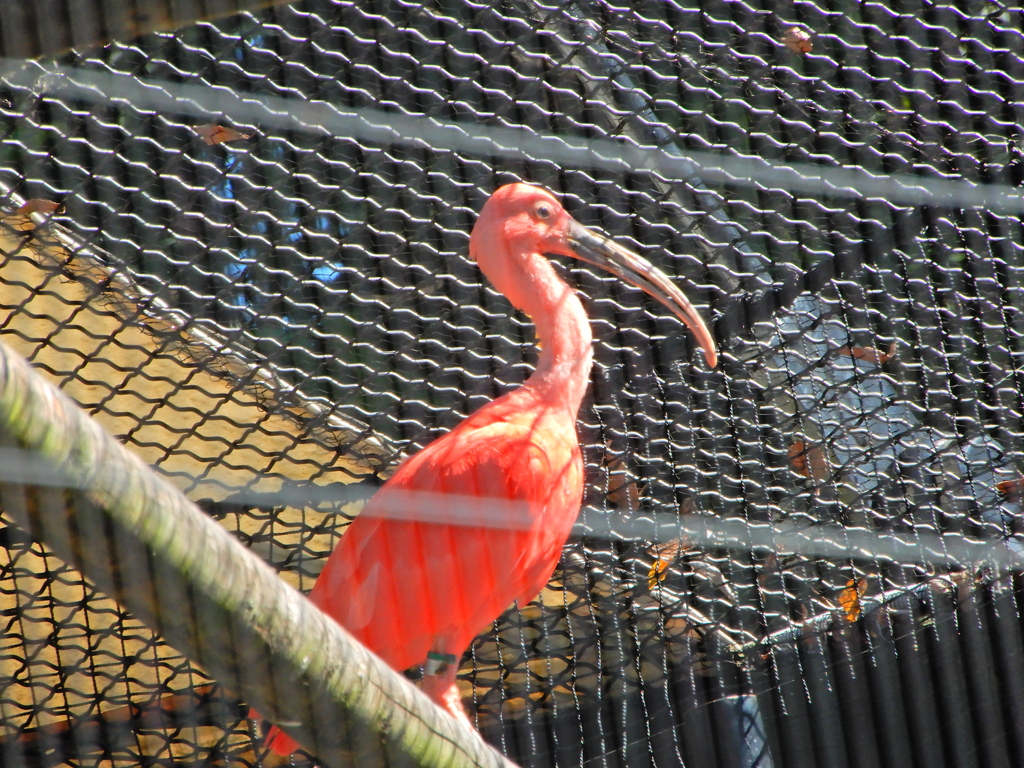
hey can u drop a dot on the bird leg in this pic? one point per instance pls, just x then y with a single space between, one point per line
439 684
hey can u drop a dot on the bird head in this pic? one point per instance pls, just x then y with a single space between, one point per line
519 222
531 220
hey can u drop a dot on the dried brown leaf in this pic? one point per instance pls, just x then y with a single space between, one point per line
218 134
869 354
809 460
850 599
622 491
658 572
40 205
1010 490
798 40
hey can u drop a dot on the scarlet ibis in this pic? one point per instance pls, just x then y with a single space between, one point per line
477 519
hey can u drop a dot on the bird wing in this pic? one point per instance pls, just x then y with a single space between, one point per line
465 527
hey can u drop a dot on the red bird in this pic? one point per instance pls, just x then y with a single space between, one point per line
477 520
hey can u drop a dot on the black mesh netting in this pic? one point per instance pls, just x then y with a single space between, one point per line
269 314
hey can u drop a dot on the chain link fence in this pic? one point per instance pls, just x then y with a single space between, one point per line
809 556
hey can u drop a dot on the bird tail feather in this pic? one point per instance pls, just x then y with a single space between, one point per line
279 742
275 740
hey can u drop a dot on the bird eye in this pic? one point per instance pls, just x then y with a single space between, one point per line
543 211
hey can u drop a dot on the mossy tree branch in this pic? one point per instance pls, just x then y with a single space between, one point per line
100 508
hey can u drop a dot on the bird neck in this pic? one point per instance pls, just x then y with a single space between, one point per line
563 332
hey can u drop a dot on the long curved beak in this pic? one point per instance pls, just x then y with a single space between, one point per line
596 249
